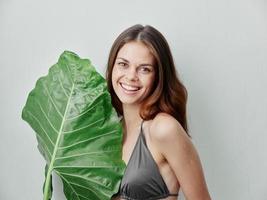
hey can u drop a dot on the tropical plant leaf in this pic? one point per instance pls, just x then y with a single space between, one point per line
78 131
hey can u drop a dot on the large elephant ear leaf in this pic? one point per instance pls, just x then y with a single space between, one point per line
78 131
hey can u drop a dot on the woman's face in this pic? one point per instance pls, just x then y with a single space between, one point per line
133 73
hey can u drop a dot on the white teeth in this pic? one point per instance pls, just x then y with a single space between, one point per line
127 87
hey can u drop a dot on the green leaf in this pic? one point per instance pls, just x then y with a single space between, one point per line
78 131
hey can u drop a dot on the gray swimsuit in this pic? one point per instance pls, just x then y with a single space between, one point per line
142 179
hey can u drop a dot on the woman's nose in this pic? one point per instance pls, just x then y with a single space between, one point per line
131 74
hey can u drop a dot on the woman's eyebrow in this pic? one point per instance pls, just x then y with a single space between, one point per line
123 59
144 64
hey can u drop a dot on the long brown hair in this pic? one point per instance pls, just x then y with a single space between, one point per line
168 94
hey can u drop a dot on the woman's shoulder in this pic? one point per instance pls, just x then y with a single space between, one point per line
165 127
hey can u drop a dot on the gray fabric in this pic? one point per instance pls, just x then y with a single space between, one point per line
142 179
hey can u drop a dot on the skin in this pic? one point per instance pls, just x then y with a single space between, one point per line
170 146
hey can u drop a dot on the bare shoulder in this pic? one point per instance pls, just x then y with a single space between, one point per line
173 143
166 127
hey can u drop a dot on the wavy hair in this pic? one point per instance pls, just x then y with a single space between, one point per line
168 93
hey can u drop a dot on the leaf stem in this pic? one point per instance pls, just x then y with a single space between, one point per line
47 185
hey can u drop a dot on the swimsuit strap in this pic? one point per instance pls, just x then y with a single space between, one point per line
142 125
173 194
176 194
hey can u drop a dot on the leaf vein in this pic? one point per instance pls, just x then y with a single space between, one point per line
41 139
78 129
64 91
42 128
70 187
65 147
51 99
52 126
86 111
82 154
87 179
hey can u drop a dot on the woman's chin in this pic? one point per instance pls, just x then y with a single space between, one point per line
128 101
129 97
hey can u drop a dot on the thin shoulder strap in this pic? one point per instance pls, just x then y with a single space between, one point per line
142 133
142 125
174 194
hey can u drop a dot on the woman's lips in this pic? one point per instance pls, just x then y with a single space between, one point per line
129 89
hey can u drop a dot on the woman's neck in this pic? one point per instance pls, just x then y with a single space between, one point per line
131 118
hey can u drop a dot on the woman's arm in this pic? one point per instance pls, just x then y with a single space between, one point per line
172 141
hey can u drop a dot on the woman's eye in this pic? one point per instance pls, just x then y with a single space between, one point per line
146 69
122 64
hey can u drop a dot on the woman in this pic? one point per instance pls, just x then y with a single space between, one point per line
151 100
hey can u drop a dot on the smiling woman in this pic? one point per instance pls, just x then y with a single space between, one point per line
147 93
134 61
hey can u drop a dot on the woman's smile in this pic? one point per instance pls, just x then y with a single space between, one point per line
129 90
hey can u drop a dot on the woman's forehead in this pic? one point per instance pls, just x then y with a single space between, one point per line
135 52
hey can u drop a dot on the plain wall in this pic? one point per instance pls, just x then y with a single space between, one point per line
220 51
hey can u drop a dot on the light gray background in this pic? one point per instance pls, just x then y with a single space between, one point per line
219 48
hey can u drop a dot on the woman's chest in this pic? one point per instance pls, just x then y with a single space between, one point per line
132 147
